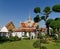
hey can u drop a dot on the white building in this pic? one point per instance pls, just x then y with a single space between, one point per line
4 32
27 29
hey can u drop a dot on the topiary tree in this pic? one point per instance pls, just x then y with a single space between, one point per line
37 10
46 11
48 23
56 8
37 19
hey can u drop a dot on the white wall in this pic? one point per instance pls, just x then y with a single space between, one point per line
18 34
27 34
33 34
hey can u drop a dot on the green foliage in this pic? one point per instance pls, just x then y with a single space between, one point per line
55 36
37 10
43 18
41 35
14 38
46 9
3 38
53 25
37 18
43 40
36 44
56 8
43 47
57 19
49 21
37 27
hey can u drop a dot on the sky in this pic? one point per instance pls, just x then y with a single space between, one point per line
18 10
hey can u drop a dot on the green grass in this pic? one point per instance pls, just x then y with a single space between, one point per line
26 44
52 45
23 44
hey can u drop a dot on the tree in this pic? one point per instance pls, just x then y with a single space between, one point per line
38 43
37 10
57 19
46 11
55 25
43 18
56 8
58 23
48 23
37 19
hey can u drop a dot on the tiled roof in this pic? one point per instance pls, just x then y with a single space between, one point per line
10 25
25 29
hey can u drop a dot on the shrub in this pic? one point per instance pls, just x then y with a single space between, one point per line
43 41
41 35
3 38
14 38
43 47
55 37
36 44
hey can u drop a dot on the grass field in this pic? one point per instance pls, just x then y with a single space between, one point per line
52 45
26 44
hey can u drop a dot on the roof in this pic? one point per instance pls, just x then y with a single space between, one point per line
4 29
24 29
10 25
28 23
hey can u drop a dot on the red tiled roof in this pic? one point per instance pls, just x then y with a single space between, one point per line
25 29
23 25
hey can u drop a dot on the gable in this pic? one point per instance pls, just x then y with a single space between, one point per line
10 26
4 29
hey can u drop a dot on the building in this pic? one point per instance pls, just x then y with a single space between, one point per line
4 31
10 26
27 29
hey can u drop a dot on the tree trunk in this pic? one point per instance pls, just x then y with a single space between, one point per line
48 30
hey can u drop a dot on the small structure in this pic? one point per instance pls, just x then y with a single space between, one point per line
4 32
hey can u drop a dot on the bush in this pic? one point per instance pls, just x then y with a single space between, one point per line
36 44
14 38
43 47
55 37
41 35
43 41
3 38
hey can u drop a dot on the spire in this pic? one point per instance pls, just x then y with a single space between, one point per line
29 18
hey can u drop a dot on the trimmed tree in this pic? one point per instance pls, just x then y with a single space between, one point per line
56 8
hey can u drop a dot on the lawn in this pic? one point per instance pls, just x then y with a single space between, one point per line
26 44
23 44
52 45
